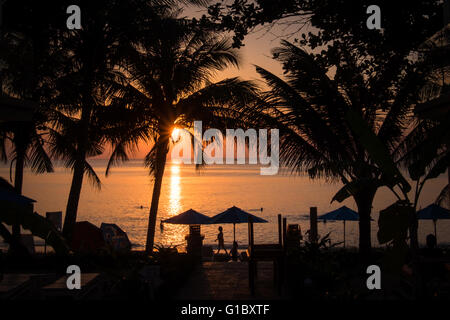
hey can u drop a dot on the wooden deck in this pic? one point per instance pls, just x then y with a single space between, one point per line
228 281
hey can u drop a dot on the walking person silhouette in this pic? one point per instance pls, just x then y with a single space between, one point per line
221 244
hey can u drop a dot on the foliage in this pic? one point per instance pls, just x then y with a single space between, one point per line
346 101
27 66
170 85
341 121
318 270
405 23
164 254
312 248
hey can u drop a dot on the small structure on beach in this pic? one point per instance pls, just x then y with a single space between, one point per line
194 219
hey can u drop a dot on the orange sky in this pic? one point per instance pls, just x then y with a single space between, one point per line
255 52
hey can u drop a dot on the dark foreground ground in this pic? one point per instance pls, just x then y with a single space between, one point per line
318 274
228 281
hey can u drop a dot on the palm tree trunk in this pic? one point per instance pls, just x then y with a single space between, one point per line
161 154
413 231
18 183
74 197
364 200
79 166
414 223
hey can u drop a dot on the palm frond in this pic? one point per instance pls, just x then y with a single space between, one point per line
40 161
443 199
92 175
297 112
218 101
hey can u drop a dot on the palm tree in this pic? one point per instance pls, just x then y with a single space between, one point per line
28 149
312 110
26 66
171 84
424 151
85 114
84 100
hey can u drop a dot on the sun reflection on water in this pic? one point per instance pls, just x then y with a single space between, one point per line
175 190
174 233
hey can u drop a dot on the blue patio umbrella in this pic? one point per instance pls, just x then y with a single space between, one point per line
343 213
15 198
11 201
235 215
433 212
189 217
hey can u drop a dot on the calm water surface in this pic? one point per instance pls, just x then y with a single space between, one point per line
210 191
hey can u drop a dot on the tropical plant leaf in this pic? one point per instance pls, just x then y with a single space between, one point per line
443 199
377 150
40 160
353 187
93 177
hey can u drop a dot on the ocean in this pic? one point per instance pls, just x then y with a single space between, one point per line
125 196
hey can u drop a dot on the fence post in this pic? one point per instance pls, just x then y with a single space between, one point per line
313 224
251 262
279 230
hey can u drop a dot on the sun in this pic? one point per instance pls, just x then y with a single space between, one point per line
175 134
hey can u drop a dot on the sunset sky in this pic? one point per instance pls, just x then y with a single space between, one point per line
257 51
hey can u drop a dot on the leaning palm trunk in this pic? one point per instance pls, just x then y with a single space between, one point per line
74 197
18 183
160 157
78 168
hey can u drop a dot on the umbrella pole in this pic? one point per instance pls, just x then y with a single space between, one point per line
344 233
234 232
